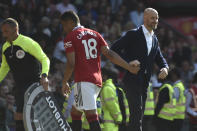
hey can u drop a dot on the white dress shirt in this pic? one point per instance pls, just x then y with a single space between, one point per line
148 37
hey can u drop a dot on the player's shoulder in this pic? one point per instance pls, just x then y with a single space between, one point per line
21 41
90 31
23 37
70 36
26 39
86 32
94 31
68 40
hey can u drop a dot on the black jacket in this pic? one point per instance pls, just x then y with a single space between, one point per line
133 46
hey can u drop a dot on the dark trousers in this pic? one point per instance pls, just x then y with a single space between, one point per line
19 125
177 124
136 92
3 127
147 123
193 127
163 125
19 92
122 127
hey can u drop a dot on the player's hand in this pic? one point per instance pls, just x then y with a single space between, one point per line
65 89
45 83
163 73
134 66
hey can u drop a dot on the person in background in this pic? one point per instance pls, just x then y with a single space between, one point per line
180 108
109 99
149 110
191 104
124 108
136 16
166 107
21 55
65 5
3 108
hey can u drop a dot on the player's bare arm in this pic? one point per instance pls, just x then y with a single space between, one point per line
116 59
70 64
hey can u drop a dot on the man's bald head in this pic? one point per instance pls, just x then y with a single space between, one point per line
149 11
150 18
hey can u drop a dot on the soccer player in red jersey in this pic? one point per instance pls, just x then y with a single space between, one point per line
83 49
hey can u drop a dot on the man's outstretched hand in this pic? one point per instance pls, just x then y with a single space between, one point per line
134 66
163 73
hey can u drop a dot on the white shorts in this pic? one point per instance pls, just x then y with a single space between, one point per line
85 95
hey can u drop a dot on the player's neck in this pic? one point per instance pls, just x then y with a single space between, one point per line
77 26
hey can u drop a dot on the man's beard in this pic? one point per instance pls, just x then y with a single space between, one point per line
154 27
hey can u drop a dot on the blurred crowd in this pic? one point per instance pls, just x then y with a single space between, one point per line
39 19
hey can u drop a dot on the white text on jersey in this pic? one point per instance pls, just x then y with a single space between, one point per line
79 36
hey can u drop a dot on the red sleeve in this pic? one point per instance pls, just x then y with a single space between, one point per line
68 44
102 41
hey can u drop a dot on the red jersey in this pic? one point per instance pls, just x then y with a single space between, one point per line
86 44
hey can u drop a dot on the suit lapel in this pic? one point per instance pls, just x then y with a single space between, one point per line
143 40
153 44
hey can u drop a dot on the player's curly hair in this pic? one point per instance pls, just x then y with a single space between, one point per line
70 15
